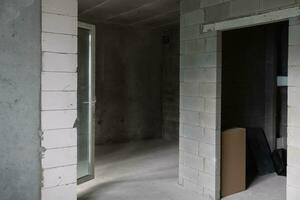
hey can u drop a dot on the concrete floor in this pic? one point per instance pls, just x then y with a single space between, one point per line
136 171
269 187
148 170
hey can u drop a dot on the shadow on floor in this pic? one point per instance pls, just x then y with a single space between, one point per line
144 170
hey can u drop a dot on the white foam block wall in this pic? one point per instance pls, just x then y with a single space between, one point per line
293 171
200 87
59 99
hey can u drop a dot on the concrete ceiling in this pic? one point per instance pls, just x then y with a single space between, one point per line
150 13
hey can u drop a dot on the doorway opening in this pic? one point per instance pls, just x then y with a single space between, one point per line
254 99
136 114
136 143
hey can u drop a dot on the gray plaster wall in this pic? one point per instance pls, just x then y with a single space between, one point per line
128 84
20 63
170 83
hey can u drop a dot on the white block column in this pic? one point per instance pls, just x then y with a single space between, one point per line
200 76
59 99
293 171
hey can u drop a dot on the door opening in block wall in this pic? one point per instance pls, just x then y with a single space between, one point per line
254 111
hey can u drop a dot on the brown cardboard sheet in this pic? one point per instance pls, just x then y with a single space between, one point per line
233 164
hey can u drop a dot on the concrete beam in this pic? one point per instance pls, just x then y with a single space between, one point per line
269 17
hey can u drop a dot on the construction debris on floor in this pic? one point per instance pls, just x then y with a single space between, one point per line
246 155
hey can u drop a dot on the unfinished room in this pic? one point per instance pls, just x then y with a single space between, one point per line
128 103
149 99
128 100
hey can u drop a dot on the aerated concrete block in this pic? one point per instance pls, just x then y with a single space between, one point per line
189 173
293 155
193 18
192 103
244 7
189 89
189 32
194 162
271 4
189 146
193 132
208 3
189 6
293 175
189 117
217 12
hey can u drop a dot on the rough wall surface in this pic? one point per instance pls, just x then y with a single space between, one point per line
200 92
20 168
293 173
170 83
59 99
128 84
